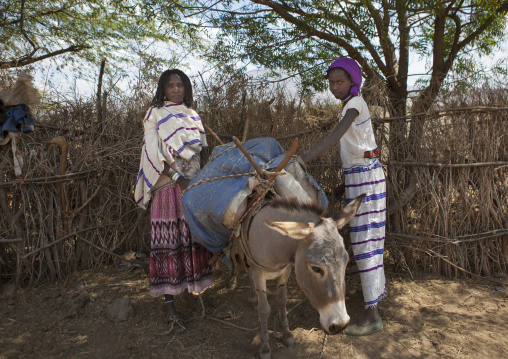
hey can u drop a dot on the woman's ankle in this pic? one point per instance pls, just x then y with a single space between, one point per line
371 314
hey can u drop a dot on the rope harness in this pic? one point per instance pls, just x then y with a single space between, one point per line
261 180
237 245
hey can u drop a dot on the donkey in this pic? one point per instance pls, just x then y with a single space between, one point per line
289 233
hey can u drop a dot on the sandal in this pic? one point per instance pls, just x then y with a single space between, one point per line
356 331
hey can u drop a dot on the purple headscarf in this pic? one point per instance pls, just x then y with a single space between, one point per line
354 70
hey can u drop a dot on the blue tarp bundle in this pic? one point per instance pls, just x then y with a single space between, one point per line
204 204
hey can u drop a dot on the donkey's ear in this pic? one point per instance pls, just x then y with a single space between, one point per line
295 230
349 211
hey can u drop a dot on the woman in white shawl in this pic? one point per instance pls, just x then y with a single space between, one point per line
173 139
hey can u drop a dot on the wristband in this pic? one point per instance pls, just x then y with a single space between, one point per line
175 176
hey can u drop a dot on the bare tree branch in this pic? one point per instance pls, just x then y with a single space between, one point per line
28 59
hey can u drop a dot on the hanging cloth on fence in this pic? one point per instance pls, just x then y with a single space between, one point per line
19 120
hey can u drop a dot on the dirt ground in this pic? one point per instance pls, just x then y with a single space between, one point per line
424 317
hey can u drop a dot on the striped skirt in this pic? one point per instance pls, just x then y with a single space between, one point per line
176 261
367 228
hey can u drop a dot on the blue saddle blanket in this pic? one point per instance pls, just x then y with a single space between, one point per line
204 204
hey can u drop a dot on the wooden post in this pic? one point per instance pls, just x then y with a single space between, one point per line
99 95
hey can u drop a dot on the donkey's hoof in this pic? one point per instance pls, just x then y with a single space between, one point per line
264 351
289 341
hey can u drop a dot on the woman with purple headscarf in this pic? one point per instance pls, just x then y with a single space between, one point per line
363 174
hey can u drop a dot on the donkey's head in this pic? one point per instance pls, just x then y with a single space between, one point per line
320 263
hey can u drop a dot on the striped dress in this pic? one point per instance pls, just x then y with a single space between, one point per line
364 174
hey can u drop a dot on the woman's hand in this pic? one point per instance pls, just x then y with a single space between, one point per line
168 171
183 182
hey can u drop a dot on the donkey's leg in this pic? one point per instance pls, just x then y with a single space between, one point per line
259 283
233 280
287 337
253 294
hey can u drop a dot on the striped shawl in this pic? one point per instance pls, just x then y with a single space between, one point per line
171 131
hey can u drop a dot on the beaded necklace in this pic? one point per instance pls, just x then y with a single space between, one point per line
185 165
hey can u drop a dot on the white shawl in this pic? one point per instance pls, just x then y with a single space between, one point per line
171 131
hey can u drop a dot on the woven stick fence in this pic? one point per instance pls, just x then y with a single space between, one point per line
453 220
456 220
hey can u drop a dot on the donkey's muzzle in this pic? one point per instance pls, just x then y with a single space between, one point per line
337 327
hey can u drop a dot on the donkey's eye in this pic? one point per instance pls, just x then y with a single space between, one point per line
318 270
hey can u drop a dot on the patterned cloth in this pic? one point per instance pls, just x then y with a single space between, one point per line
364 174
176 261
367 228
171 131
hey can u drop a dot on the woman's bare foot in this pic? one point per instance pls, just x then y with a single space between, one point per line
371 315
169 301
371 323
172 317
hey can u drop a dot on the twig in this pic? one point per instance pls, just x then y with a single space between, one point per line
49 179
295 134
67 236
245 130
77 210
72 130
213 133
203 313
249 157
99 248
428 164
127 284
432 253
99 94
448 165
462 239
232 325
2 240
443 112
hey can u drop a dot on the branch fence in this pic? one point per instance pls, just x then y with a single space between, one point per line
452 220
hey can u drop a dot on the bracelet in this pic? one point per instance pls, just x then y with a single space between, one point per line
169 301
175 176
